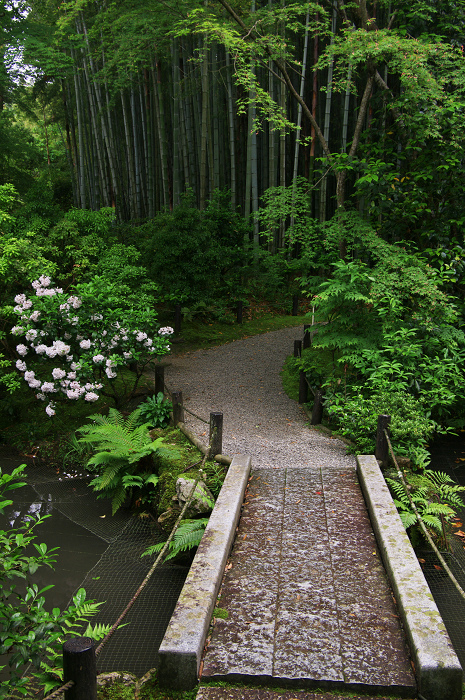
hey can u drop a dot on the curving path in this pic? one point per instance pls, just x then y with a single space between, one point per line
306 593
242 380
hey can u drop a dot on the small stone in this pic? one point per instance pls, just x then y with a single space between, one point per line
202 501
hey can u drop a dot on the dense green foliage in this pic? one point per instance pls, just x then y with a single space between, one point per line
29 633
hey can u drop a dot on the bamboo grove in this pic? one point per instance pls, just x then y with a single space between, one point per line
165 97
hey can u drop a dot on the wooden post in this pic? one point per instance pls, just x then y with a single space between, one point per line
297 348
178 410
159 379
177 318
317 412
307 337
295 305
80 666
239 311
303 387
382 449
216 421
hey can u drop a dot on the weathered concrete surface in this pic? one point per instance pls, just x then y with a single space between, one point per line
438 669
221 693
307 596
181 649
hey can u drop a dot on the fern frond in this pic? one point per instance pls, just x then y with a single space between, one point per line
408 519
119 496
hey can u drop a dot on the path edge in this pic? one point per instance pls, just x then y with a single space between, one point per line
182 646
437 667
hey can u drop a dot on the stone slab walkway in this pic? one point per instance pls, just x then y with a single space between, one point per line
306 593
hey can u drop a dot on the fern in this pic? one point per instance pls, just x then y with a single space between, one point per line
187 536
436 498
122 449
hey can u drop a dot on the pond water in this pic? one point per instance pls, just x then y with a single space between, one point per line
448 455
101 553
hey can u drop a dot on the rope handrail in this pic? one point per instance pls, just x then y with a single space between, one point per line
401 475
59 691
185 408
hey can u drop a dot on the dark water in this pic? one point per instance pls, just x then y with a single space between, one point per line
448 455
100 553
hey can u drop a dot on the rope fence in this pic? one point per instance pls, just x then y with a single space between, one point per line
401 474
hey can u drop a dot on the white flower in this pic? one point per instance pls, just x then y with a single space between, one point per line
72 394
85 344
34 383
41 397
74 365
27 304
67 336
49 410
97 358
140 336
148 343
90 396
74 320
40 349
17 330
34 316
29 375
31 334
58 373
166 330
21 349
20 298
71 375
127 355
124 337
21 365
44 281
58 348
110 363
75 301
48 387
110 374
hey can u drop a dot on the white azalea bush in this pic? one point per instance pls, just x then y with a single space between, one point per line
73 345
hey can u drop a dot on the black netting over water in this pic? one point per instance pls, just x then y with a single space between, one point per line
448 455
111 546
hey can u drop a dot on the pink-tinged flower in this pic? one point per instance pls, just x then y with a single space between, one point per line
127 355
166 330
17 330
48 388
58 373
58 348
21 365
20 298
110 374
34 316
71 375
98 358
49 410
35 284
29 375
140 336
64 307
31 334
110 363
148 343
40 348
90 396
75 301
72 394
45 281
21 349
34 384
85 344
40 397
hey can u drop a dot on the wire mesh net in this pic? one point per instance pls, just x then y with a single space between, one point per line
448 455
118 572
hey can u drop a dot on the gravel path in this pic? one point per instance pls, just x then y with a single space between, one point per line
242 380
